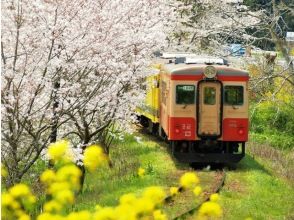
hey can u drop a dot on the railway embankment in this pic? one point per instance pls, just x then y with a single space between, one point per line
256 188
261 186
144 151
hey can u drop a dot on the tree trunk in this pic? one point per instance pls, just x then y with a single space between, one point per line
54 120
82 167
82 179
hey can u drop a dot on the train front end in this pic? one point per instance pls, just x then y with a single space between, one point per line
204 112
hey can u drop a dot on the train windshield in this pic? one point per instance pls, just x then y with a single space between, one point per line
185 94
209 95
234 95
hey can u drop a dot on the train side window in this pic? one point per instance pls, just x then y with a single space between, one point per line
234 95
185 94
209 95
163 92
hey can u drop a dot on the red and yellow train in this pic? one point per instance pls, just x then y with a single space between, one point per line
200 106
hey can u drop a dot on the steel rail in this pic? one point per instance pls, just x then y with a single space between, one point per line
216 189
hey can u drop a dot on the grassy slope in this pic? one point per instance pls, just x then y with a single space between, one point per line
253 191
106 185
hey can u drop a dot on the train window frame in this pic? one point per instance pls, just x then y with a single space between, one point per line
205 101
185 103
234 104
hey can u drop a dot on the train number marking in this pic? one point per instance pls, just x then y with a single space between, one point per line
187 133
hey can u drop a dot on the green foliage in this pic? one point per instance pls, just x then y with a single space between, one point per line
277 140
273 124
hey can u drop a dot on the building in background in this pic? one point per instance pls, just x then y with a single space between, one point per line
237 50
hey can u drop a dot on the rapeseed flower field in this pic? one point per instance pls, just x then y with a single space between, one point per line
63 183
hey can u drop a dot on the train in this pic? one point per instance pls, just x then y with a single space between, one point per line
200 106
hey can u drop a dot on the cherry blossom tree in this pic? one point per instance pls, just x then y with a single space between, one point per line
71 68
208 26
274 76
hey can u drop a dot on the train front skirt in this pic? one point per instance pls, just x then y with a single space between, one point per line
228 154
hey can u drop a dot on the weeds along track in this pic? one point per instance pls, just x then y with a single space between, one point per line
219 182
220 178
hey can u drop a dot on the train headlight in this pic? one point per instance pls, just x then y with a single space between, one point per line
241 131
210 72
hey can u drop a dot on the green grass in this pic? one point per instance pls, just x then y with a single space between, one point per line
277 139
105 186
252 191
273 123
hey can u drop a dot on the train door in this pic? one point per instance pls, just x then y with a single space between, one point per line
209 109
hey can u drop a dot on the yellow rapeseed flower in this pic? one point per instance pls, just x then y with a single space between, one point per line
19 190
188 180
93 157
65 196
174 191
6 199
197 190
52 206
58 150
98 207
70 173
158 215
45 216
57 187
125 212
31 199
128 198
48 176
211 209
19 212
15 205
49 216
144 205
82 215
155 193
24 217
214 197
3 171
141 172
106 213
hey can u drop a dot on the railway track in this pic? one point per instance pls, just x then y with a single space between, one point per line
220 177
220 181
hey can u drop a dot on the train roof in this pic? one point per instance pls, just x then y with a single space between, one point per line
193 64
198 69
